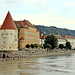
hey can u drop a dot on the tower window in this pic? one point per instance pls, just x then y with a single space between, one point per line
4 42
9 47
21 41
11 33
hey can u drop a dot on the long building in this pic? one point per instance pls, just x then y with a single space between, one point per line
61 40
28 33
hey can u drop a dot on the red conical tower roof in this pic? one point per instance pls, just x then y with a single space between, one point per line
8 22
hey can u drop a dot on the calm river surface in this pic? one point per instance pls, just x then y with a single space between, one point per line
53 65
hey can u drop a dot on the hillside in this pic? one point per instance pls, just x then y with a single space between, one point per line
54 30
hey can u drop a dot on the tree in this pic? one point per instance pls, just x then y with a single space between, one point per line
48 46
54 30
52 40
27 46
32 45
61 46
68 45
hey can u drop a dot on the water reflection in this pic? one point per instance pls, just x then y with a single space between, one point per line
8 68
55 65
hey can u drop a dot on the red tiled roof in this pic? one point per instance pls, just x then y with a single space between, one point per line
8 22
59 37
21 38
43 36
67 36
24 27
24 23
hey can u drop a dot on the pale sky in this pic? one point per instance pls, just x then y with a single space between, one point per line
59 13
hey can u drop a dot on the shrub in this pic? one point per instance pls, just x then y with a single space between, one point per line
48 46
27 46
36 45
61 46
68 45
32 45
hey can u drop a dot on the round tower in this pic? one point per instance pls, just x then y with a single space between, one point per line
8 34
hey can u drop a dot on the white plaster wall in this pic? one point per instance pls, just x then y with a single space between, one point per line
72 41
8 39
42 41
61 41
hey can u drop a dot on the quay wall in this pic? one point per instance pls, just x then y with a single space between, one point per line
23 53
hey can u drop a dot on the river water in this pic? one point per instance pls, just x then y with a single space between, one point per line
51 65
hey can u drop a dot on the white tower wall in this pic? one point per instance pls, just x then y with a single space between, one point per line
9 39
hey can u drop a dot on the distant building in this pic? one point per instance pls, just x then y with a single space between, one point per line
8 34
70 39
61 39
42 39
28 33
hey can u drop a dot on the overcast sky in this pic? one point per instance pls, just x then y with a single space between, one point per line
59 13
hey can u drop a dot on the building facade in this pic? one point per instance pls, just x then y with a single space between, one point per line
8 34
42 39
70 39
28 34
61 40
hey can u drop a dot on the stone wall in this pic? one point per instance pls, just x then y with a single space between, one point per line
28 52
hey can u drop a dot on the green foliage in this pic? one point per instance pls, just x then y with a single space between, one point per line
27 46
52 40
61 46
18 29
68 45
36 45
48 46
32 45
54 30
40 46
